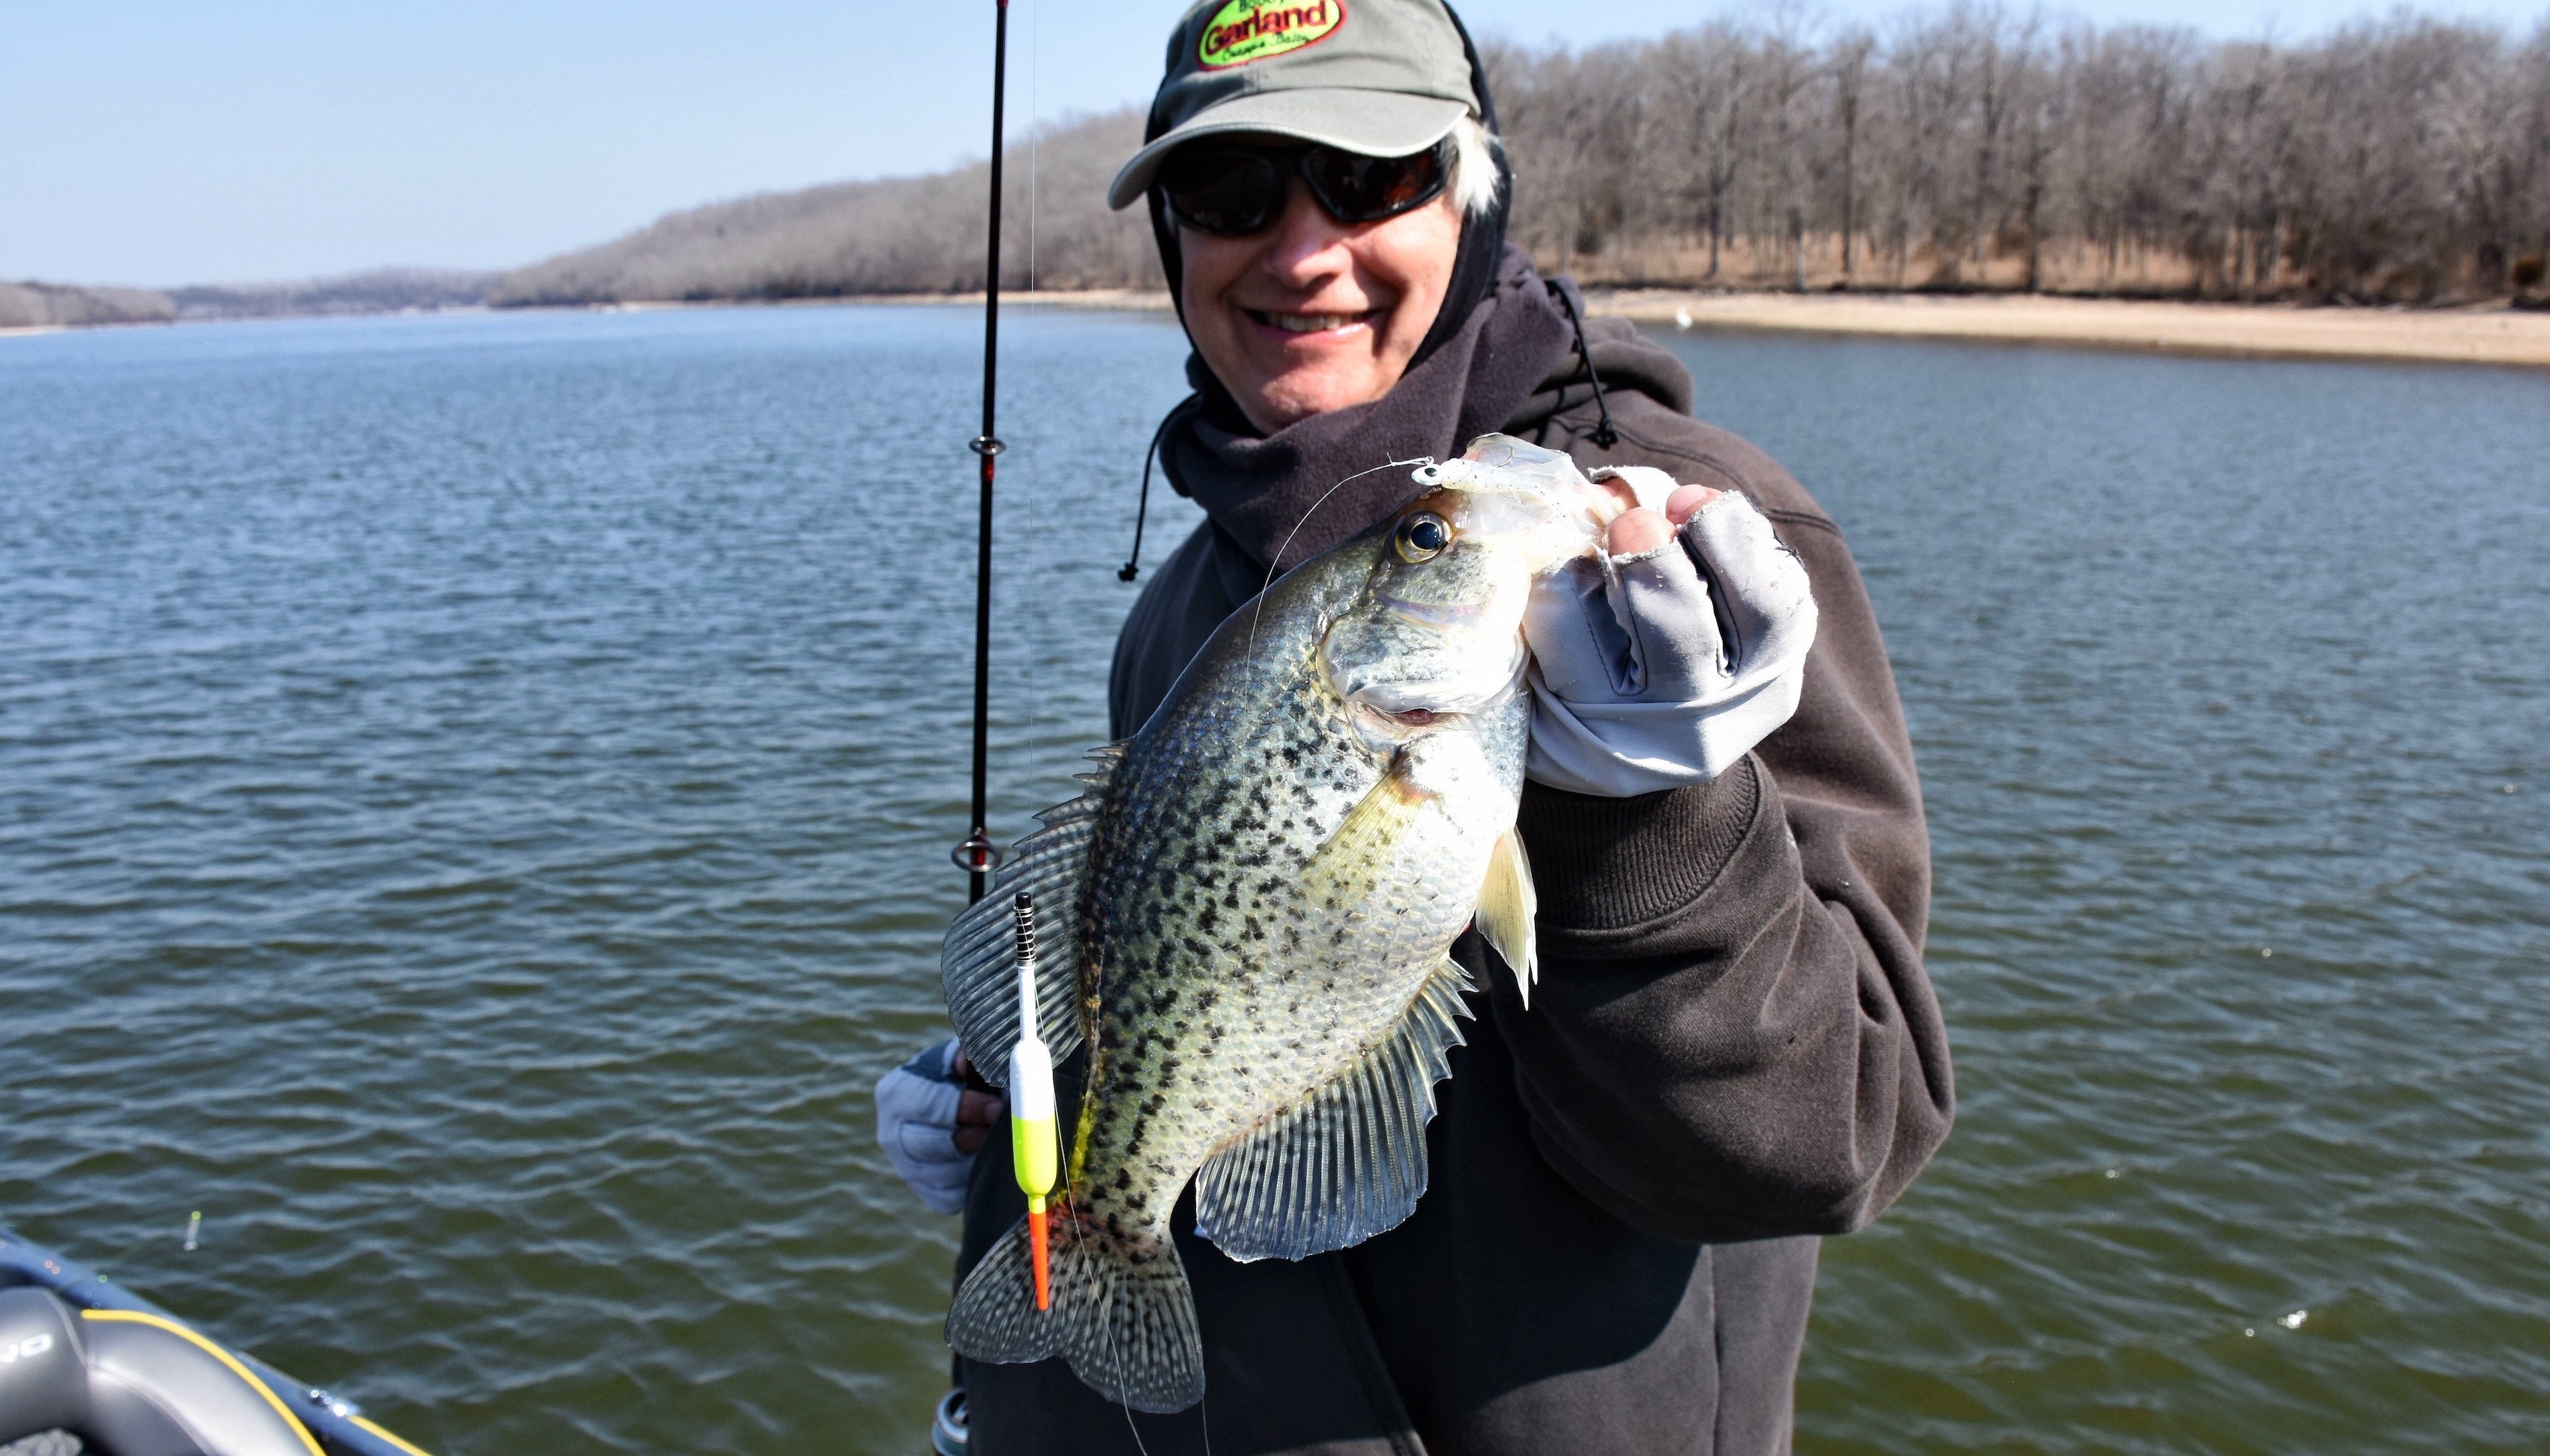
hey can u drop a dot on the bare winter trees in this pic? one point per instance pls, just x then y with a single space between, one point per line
1960 149
1973 147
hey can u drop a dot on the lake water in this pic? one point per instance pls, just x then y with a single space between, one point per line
475 795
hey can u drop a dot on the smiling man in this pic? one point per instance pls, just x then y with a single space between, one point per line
1733 1047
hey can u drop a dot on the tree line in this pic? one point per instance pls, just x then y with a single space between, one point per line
2407 158
379 291
1970 147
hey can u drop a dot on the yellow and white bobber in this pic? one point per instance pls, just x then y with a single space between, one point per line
1033 1144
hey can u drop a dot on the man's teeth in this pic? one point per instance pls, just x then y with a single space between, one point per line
1311 322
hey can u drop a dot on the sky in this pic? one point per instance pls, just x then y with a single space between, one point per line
160 143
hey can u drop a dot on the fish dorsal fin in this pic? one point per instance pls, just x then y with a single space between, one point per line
979 963
1349 1160
1506 906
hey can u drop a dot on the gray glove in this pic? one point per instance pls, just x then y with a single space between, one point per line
1660 669
916 1107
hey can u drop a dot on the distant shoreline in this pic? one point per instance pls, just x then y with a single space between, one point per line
2493 335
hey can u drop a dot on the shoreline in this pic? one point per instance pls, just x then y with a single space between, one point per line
2491 335
2481 334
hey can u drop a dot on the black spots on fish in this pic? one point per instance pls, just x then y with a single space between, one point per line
1123 1179
1229 901
1252 932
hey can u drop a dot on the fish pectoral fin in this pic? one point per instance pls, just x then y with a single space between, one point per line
1351 862
1349 1161
1507 907
978 965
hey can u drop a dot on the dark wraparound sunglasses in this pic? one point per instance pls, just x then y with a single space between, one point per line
1231 189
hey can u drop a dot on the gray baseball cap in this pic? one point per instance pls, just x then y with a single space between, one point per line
1376 77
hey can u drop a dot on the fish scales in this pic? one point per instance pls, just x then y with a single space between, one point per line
1263 884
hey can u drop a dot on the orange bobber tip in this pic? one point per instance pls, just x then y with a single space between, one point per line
1037 1254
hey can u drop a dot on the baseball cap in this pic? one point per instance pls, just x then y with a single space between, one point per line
1376 77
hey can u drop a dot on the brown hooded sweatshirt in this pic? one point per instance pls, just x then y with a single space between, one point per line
1733 1047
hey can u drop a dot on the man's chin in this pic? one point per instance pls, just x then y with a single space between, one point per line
1294 395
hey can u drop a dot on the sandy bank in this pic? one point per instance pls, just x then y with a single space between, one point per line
2491 334
2486 334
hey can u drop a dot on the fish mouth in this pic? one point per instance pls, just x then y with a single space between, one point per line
1383 724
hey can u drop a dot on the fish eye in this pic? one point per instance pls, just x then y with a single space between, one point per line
1421 538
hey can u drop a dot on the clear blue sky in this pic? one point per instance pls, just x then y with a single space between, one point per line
164 143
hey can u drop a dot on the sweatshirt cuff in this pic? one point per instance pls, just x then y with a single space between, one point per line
1608 865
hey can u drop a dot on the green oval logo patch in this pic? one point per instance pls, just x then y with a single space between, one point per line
1243 30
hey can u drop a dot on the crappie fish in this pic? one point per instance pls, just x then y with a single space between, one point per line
1258 895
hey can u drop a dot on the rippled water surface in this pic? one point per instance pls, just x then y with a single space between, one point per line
474 796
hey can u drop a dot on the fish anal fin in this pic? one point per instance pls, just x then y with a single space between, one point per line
978 964
1508 904
1349 1160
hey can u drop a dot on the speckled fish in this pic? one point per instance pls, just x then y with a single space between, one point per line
1259 892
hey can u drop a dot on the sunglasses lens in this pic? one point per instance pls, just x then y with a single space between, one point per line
1223 190
1366 189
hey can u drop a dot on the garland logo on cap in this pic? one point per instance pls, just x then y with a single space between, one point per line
1243 30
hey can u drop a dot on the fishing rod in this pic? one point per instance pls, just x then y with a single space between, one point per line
978 856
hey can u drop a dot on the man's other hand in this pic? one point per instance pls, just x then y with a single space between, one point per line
929 1124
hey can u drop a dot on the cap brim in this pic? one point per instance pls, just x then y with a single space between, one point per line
1369 122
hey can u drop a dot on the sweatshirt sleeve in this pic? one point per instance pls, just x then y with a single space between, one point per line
1733 1035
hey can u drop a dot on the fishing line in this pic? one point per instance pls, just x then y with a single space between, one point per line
1297 531
1035 647
1035 42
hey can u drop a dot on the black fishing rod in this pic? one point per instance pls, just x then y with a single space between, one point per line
978 855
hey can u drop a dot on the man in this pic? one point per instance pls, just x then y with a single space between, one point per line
1733 1047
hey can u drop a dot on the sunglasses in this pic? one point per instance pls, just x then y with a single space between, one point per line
1231 189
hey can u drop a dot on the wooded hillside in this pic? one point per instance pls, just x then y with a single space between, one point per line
380 291
1970 147
903 235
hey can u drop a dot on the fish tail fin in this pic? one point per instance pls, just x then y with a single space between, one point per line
1121 1313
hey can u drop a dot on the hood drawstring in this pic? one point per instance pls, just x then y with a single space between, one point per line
1132 566
1604 435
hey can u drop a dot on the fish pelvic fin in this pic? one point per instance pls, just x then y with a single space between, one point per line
978 966
1508 904
1121 1313
1349 1161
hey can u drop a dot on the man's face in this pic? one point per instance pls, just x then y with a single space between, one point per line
1314 315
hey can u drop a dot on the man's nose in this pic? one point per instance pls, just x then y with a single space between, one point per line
1307 245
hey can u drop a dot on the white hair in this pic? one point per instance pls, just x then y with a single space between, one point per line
1472 185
